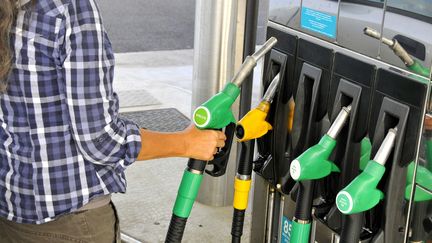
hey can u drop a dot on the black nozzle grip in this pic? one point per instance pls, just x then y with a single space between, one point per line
220 160
176 229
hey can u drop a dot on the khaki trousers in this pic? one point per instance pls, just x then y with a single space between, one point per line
98 225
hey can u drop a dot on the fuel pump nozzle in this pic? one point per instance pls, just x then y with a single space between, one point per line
254 125
398 49
213 114
314 163
361 194
311 165
216 112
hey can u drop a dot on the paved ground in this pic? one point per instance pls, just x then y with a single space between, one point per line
149 25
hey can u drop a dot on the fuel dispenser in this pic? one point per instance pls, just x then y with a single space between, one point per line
354 166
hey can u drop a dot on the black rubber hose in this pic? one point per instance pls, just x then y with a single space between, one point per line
197 164
244 168
245 165
176 229
352 226
304 200
237 225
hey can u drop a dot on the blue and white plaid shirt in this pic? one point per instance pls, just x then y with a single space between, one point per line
62 142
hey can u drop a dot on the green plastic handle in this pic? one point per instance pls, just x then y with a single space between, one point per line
365 152
313 163
423 178
187 193
216 112
429 154
419 69
361 194
300 232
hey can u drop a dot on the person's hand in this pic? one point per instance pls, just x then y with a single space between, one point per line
202 144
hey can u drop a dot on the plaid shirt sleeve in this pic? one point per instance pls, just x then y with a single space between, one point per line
87 62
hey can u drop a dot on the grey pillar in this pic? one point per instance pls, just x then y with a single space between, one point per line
217 54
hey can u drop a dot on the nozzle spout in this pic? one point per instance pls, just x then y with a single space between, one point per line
271 90
375 34
251 61
268 45
393 44
386 147
339 122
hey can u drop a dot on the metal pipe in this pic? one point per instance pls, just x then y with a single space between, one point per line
270 215
386 147
339 122
251 61
268 45
393 44
377 35
402 53
271 90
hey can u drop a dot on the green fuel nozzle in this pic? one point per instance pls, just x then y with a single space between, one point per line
216 112
361 194
399 51
423 182
313 163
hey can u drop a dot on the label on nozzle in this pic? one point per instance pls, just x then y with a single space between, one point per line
344 202
295 169
201 116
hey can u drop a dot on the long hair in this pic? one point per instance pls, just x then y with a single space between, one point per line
8 11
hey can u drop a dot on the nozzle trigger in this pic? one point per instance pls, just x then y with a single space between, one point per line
220 160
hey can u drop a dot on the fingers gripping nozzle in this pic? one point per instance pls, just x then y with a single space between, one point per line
220 160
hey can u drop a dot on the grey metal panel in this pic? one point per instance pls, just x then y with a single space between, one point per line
285 12
410 19
412 28
353 18
340 49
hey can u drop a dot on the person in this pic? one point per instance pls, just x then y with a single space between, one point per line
63 146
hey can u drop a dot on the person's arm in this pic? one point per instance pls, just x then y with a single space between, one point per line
87 64
190 143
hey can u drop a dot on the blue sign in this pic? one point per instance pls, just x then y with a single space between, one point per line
286 230
319 22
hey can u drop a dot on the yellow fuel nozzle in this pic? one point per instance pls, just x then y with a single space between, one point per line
254 125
